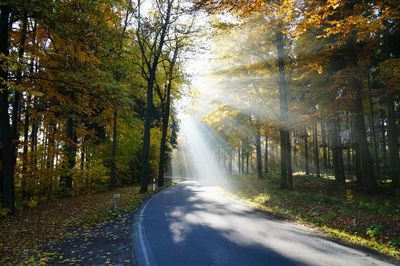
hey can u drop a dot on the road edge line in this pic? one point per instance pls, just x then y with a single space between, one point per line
143 255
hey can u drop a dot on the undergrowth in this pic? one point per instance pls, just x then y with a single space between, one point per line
372 221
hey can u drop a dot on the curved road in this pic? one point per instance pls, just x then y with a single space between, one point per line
190 224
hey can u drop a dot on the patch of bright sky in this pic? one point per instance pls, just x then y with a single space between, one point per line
200 64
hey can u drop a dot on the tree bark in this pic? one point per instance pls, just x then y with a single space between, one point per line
247 164
368 178
266 169
258 152
338 154
239 164
316 151
372 123
6 152
383 131
113 178
152 67
230 161
393 137
324 147
70 153
164 134
25 149
165 121
286 175
306 152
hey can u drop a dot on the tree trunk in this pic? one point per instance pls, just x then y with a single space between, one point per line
148 117
284 114
6 152
144 182
349 151
272 157
383 130
113 178
316 151
258 152
306 152
25 150
338 154
230 161
83 156
372 124
243 158
165 123
70 152
360 137
324 145
17 95
266 155
247 164
239 164
393 137
368 178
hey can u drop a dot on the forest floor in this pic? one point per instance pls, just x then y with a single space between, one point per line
355 218
85 229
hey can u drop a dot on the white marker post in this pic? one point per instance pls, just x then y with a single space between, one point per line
117 196
154 184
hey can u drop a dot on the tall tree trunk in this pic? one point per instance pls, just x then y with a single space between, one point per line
247 164
393 137
165 121
70 152
152 67
295 156
266 170
360 137
284 113
368 178
25 149
17 94
372 124
144 182
230 161
324 146
7 154
272 157
349 150
316 151
164 134
83 156
258 152
51 145
113 178
307 162
239 164
243 158
338 153
383 131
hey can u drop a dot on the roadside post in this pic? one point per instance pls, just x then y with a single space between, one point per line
117 197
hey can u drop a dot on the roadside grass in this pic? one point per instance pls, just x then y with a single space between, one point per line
22 236
371 221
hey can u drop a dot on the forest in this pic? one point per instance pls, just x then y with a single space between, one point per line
313 87
75 76
90 93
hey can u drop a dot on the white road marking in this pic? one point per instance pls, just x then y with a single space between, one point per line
141 230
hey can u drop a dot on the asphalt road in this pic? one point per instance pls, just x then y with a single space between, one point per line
190 224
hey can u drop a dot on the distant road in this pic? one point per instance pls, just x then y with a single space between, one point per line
190 224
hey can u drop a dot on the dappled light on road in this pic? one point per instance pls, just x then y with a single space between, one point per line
207 227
